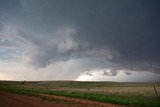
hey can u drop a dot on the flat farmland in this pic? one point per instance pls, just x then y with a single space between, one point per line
78 94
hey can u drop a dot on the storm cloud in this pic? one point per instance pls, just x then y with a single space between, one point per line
106 34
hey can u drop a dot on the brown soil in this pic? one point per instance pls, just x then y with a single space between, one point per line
14 100
87 103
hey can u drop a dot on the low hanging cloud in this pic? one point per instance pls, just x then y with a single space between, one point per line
127 73
44 52
111 72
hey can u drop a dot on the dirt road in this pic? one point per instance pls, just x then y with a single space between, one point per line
14 100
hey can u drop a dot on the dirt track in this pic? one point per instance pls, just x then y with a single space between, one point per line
13 100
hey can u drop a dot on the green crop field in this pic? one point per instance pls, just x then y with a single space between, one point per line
131 94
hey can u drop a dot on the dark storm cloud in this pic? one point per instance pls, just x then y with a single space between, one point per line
127 73
112 72
119 34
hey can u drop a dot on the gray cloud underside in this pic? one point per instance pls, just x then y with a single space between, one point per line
119 35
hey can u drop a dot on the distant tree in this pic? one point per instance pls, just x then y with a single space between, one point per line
23 82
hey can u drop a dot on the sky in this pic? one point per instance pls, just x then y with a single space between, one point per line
83 40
